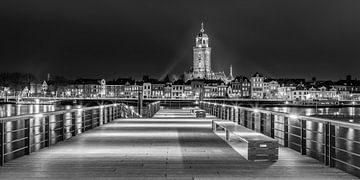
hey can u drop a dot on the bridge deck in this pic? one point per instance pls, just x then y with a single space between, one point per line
165 147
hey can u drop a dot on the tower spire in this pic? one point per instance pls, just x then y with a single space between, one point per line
202 27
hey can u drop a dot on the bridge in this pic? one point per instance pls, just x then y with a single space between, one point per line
181 101
113 142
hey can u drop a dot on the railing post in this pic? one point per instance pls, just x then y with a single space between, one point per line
101 116
327 143
247 114
272 126
73 122
228 111
303 136
28 135
236 115
230 115
222 112
106 115
286 132
242 116
112 113
92 118
214 110
52 126
116 111
332 153
267 124
83 124
64 135
2 142
47 123
257 122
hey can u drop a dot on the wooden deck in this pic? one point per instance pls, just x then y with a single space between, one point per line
170 146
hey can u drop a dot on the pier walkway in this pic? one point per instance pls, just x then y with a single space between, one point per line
172 145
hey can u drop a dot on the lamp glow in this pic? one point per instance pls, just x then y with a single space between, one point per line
38 115
293 116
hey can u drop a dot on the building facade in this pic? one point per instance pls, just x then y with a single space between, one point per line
240 87
257 86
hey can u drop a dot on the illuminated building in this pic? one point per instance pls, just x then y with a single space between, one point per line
202 61
257 86
202 56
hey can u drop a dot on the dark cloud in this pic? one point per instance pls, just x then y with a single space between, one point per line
109 38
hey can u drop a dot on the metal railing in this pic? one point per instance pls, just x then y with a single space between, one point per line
24 134
334 143
151 109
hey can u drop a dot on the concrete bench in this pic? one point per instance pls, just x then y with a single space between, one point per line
258 147
198 112
193 110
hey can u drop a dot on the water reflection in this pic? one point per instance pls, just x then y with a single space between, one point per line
7 110
343 113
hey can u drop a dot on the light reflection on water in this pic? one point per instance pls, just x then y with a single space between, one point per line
328 111
7 110
321 111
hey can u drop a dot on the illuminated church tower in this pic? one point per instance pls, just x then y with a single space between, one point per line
202 54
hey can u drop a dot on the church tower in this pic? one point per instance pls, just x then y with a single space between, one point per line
202 54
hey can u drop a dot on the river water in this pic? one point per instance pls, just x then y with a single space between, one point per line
7 110
348 114
351 111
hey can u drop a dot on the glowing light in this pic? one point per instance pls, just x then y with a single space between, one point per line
353 102
255 110
38 115
351 120
293 116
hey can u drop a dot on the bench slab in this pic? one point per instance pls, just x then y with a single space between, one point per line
259 146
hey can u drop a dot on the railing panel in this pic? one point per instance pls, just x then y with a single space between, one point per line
335 143
24 134
2 141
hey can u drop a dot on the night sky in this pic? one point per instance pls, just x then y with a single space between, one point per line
121 38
